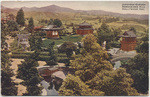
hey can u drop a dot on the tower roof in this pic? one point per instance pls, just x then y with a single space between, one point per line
85 24
128 34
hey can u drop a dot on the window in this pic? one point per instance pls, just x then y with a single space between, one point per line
54 33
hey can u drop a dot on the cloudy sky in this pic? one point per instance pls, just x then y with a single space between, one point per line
113 6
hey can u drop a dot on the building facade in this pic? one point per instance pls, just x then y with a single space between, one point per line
128 42
84 28
52 31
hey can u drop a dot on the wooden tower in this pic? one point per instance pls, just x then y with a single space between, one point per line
128 42
84 28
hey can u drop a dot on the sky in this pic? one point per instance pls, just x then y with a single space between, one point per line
112 6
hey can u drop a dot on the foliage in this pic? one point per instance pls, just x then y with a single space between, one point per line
74 86
52 60
8 87
93 70
132 29
68 48
57 22
12 26
27 71
138 66
31 25
104 34
51 22
114 44
143 45
20 17
35 42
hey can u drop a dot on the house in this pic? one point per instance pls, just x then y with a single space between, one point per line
52 31
23 40
84 28
128 42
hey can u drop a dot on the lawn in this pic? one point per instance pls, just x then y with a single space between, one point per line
71 38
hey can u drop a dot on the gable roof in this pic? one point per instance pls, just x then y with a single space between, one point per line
52 27
128 34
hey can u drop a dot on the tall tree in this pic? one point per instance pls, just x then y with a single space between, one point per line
8 87
52 60
28 72
35 42
104 34
94 70
20 17
31 25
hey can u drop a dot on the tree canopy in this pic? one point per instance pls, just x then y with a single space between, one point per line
12 26
68 48
20 17
95 72
28 72
52 60
8 87
31 25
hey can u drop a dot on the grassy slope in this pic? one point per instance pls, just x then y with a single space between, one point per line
72 38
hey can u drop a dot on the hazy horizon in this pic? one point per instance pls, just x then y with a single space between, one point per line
111 6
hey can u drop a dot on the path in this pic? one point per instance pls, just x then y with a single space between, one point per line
9 40
118 54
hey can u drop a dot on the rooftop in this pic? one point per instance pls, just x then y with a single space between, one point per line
85 24
128 34
52 27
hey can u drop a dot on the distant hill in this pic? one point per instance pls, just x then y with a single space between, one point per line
57 9
8 10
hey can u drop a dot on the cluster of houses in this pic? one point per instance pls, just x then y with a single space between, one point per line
128 42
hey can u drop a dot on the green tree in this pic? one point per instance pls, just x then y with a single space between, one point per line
74 86
28 72
95 71
12 26
116 34
133 29
35 42
68 48
104 34
57 22
51 22
8 87
31 25
20 17
52 60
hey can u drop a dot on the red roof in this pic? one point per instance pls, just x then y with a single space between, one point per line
38 27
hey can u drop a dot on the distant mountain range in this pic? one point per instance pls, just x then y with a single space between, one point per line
58 9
